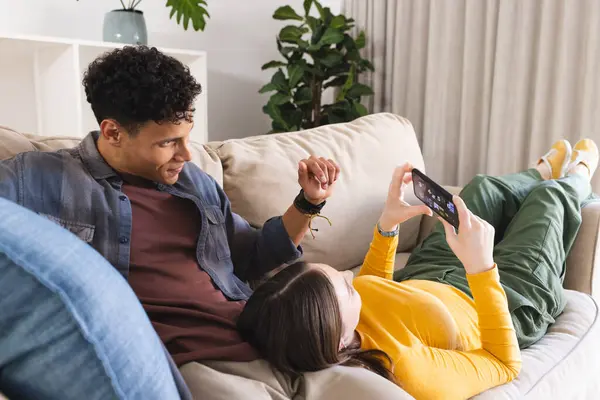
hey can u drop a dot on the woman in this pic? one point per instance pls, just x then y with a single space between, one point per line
451 324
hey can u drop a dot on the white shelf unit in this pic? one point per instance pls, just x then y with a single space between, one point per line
41 90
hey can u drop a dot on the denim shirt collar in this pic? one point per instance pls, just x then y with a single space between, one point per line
92 158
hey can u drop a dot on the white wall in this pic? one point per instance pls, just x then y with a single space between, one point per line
239 38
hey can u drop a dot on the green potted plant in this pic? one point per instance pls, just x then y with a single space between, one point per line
318 53
127 24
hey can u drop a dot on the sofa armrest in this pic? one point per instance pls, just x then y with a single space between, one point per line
427 223
583 262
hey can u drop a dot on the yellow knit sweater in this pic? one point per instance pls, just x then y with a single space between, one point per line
443 344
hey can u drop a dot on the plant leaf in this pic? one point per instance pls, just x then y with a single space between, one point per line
353 55
339 112
312 22
198 21
342 105
303 96
366 64
313 48
321 10
338 81
269 87
331 58
277 127
347 85
280 98
331 36
275 113
360 110
348 42
296 56
328 16
291 33
285 51
273 64
189 10
279 81
338 22
302 44
358 89
337 118
361 40
293 116
296 73
342 69
307 5
286 13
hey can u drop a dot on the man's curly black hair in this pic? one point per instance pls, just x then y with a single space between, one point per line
135 85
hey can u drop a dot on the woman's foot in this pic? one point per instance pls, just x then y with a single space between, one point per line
554 164
585 158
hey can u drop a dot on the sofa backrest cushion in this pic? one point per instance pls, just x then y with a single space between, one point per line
13 143
260 179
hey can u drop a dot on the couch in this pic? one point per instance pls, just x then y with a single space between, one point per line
259 176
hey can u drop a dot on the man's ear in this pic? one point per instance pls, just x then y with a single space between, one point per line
112 132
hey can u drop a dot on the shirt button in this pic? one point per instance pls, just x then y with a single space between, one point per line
123 198
123 240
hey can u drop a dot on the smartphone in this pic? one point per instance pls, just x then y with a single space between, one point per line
435 197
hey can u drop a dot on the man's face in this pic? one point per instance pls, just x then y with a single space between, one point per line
157 152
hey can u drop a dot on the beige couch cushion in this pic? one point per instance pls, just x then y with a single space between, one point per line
12 143
261 180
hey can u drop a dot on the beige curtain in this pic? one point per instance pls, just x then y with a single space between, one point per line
488 84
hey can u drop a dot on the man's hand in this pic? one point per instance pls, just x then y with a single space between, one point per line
396 210
317 177
474 242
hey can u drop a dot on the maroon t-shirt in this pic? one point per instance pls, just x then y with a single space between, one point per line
193 318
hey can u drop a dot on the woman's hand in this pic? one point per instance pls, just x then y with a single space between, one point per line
396 210
474 242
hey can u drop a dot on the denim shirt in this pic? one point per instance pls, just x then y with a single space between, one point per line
77 189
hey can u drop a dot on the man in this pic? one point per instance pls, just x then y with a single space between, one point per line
167 227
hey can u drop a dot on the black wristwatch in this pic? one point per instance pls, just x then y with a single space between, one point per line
305 206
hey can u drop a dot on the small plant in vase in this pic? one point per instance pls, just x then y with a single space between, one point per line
319 53
127 24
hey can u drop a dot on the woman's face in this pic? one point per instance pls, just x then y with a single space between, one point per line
348 299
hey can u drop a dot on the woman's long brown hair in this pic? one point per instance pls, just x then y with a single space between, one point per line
294 321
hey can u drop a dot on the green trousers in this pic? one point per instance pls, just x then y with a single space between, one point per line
536 222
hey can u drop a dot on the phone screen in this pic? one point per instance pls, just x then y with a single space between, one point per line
436 197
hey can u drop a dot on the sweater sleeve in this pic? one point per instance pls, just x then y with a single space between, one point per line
453 374
380 258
